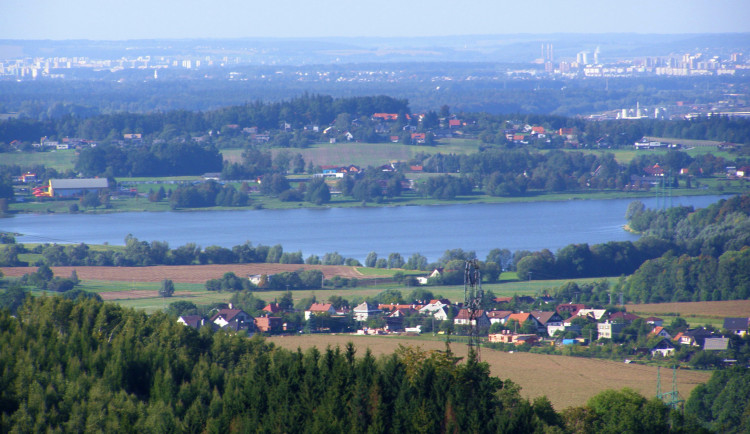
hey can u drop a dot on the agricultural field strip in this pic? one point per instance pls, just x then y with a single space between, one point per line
566 381
183 273
706 309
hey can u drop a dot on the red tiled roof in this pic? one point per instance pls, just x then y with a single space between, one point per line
272 307
520 317
498 313
266 323
320 307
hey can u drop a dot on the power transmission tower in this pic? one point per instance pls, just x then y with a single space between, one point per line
473 297
672 399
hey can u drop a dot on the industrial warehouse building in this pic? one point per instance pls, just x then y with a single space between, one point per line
76 187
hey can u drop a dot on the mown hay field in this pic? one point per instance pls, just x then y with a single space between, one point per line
566 381
703 309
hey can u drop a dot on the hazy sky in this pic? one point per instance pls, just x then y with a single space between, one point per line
137 19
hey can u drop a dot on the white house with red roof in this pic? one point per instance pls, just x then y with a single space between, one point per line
319 309
660 331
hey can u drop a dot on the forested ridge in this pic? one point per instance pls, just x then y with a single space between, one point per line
325 110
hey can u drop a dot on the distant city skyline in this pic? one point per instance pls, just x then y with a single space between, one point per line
148 19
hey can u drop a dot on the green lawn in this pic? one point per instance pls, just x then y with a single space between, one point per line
58 160
624 156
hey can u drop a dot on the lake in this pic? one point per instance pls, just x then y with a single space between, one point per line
353 232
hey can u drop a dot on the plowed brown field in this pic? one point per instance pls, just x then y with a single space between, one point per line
183 273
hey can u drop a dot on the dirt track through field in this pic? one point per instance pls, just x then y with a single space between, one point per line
183 273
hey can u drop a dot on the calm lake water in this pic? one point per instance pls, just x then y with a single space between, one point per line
353 232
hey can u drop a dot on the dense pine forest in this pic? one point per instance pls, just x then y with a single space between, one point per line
83 365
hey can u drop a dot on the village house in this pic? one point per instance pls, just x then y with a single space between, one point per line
738 326
502 300
660 331
233 319
319 309
609 329
443 314
259 280
366 310
272 308
268 324
715 344
463 318
596 314
569 309
498 316
663 348
623 317
434 306
194 321
551 322
508 337
524 318
422 280
694 337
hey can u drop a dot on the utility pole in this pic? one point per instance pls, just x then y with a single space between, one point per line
473 298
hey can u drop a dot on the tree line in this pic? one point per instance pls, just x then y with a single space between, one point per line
516 172
138 253
287 119
298 112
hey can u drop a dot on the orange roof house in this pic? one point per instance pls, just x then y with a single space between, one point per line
268 323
